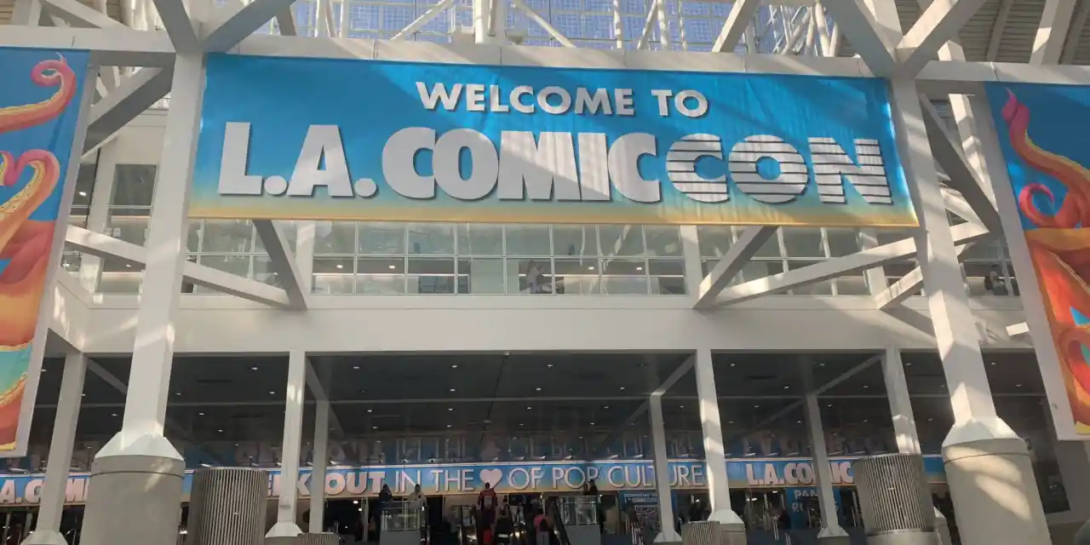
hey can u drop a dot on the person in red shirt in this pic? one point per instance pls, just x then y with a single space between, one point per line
486 511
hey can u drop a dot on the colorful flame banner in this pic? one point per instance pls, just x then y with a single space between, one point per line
39 106
1041 133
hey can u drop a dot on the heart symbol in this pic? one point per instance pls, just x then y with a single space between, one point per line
491 476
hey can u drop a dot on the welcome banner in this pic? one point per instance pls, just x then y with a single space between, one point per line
1041 133
388 141
39 107
509 478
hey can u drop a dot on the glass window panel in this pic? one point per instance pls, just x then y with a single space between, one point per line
120 282
577 276
843 242
85 185
234 264
986 279
485 275
129 225
193 241
133 185
337 237
381 238
480 239
667 276
624 285
581 240
332 275
431 266
621 240
852 285
287 229
70 261
760 269
991 250
264 273
802 242
529 276
380 276
527 240
431 238
888 236
624 277
229 236
818 288
771 247
663 240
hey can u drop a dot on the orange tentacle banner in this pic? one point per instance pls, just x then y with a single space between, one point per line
1053 198
34 131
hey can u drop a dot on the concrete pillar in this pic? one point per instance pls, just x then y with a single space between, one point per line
98 215
304 253
51 506
714 451
321 461
662 473
980 448
140 470
285 530
904 422
831 533
1051 35
690 249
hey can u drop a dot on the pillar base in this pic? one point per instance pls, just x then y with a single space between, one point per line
942 528
282 540
904 538
45 537
134 494
833 536
283 533
991 482
664 538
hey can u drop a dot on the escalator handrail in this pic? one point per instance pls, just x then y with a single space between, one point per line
558 522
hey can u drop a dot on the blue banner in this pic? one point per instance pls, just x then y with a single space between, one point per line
392 141
509 478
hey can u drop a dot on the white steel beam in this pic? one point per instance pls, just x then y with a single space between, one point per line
741 15
751 240
537 18
424 19
79 15
998 28
947 152
939 23
908 284
243 23
179 25
1052 31
285 22
318 389
832 268
136 94
870 39
109 47
107 247
283 262
26 13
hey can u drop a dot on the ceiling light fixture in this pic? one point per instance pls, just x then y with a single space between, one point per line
454 366
537 389
374 427
200 414
369 411
392 267
221 431
356 367
82 193
452 390
450 409
622 388
272 392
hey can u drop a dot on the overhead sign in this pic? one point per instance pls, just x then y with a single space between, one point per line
39 106
386 141
507 478
1040 129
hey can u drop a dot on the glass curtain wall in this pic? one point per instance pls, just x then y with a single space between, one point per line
373 258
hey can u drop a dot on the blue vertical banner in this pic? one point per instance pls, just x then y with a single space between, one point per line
39 111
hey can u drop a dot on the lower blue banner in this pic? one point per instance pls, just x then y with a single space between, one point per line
508 478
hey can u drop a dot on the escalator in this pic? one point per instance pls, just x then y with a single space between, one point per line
558 521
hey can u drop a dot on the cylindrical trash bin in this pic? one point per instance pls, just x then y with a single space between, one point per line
318 539
895 500
227 505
